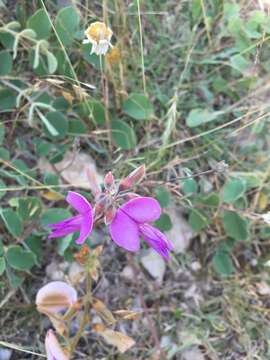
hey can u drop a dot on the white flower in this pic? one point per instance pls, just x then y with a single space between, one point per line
266 217
99 35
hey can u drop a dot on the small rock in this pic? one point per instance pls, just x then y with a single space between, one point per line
73 164
263 288
5 354
127 273
193 353
154 264
181 233
195 266
193 293
56 271
76 273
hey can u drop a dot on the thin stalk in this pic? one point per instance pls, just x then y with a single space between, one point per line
141 45
85 318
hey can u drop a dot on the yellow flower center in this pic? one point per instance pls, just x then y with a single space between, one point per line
98 31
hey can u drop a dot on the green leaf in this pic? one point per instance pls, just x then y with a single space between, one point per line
76 127
1 248
20 259
40 23
123 135
138 107
52 62
51 179
197 220
6 63
54 215
92 59
2 265
63 244
2 186
233 190
66 24
59 122
34 243
210 199
235 226
12 222
14 279
98 112
163 196
2 133
60 104
7 99
238 62
29 208
164 223
189 186
222 263
198 117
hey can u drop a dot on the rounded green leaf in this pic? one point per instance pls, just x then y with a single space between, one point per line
76 127
66 24
233 190
7 99
222 263
2 133
197 220
2 265
98 112
40 23
138 107
59 122
163 196
198 117
20 259
29 208
123 135
6 63
12 222
164 223
235 226
189 186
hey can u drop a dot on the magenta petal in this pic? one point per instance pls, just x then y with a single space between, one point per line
65 227
156 239
86 228
142 209
78 202
124 232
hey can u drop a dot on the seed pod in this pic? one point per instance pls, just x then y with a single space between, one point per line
132 179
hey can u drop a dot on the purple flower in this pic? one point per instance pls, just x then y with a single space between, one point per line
82 222
131 222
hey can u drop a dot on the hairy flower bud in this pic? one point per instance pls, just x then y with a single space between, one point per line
109 181
132 179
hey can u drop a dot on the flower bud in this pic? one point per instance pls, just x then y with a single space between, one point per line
132 179
109 181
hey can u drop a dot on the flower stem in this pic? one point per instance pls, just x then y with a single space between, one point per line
85 317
